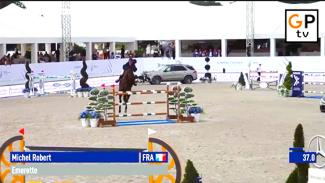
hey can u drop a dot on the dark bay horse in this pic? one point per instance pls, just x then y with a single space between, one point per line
125 84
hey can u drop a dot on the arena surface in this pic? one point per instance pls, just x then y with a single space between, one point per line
244 135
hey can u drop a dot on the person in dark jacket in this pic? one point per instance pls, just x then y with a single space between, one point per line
122 52
131 63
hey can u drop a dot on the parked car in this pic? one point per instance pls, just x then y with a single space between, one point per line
322 104
172 72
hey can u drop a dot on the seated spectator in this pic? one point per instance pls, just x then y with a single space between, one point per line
3 60
47 57
200 53
210 53
219 52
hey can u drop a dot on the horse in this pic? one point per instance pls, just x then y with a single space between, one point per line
125 84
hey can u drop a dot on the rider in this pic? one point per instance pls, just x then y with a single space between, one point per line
131 63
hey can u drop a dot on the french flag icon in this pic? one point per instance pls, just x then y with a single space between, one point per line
161 157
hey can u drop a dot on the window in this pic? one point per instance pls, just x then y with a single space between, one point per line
178 68
297 49
236 48
190 67
200 48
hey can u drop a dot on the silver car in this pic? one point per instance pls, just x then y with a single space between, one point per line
173 72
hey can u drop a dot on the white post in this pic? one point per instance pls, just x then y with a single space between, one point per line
34 58
322 46
272 47
23 49
177 49
3 50
62 54
135 45
48 48
112 48
88 50
224 47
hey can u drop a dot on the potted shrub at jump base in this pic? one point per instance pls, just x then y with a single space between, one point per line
101 103
94 119
26 92
195 111
183 102
84 118
83 92
79 92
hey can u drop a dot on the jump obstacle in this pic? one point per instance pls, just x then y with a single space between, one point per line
254 84
17 144
312 83
114 115
41 78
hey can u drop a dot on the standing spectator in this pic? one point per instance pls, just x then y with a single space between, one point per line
57 55
112 55
122 51
148 50
173 51
94 55
161 48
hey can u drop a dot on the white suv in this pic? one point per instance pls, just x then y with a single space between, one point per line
174 72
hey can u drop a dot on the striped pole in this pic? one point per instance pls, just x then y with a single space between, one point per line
141 103
141 92
315 92
314 83
306 74
142 114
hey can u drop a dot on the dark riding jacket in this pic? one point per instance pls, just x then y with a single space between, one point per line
127 65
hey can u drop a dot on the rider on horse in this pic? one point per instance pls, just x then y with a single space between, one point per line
131 63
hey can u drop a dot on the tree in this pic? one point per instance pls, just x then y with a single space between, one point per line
241 79
300 173
288 79
191 175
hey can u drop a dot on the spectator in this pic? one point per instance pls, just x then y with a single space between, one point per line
57 55
148 50
173 51
47 57
94 55
219 52
161 48
210 53
122 51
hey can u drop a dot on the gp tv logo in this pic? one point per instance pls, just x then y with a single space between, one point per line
301 25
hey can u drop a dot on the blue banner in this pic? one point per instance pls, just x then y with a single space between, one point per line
76 157
297 155
297 84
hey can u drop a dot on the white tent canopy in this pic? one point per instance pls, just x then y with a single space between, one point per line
147 20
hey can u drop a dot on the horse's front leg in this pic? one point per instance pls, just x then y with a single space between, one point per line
126 100
119 106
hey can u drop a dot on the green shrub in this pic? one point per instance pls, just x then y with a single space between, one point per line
191 173
288 79
301 169
241 79
293 177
